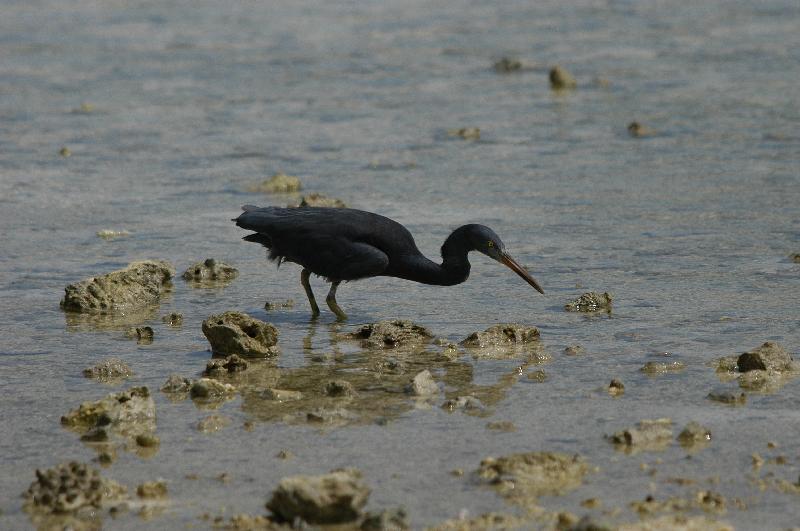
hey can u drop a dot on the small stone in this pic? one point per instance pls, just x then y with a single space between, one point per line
507 65
281 395
319 200
284 454
616 387
467 133
176 384
146 440
275 305
537 376
560 79
152 490
339 389
108 234
109 369
207 388
638 130
467 403
229 365
501 425
173 319
655 368
694 434
142 334
210 271
213 423
574 350
423 384
648 434
65 152
590 302
795 258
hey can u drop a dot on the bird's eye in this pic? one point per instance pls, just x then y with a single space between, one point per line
490 244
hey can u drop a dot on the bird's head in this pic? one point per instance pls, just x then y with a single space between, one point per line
486 241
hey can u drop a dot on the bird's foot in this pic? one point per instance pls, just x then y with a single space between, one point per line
340 315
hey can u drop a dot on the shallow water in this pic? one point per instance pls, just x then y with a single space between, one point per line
193 102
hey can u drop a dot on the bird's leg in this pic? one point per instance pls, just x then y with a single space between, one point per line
310 294
332 304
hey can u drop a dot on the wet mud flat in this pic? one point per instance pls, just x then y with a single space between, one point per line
640 158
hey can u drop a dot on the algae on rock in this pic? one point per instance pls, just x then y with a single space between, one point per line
120 292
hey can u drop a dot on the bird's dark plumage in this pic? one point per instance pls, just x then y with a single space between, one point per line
345 244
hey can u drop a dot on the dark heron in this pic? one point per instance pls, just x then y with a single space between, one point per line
344 244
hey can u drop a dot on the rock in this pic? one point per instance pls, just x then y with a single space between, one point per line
768 357
333 498
574 350
176 384
520 477
210 271
140 284
502 334
110 369
590 302
152 490
726 396
213 423
560 79
637 130
507 65
501 425
318 200
339 389
389 334
280 183
108 234
423 384
467 403
275 305
127 413
65 152
693 435
281 395
238 333
69 487
332 416
284 454
386 520
142 334
207 388
229 365
616 387
647 435
655 368
587 523
795 258
173 319
537 376
673 522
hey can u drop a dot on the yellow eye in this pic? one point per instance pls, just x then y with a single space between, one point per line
490 244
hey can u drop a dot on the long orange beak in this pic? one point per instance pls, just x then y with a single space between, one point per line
521 271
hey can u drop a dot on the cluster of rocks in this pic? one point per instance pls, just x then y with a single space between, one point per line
654 435
765 369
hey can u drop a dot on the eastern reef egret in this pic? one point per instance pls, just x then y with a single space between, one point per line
345 244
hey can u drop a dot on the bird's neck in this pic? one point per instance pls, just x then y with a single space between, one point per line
454 268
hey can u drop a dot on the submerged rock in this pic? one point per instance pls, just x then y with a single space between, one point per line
208 388
727 396
574 350
694 434
275 305
647 435
280 183
238 333
590 302
638 130
423 384
125 290
386 520
210 271
109 370
674 522
616 387
281 395
339 389
173 319
560 79
507 65
152 489
764 369
467 133
229 365
795 258
389 334
483 522
655 368
128 413
176 384
68 487
520 477
108 234
334 498
142 334
213 423
502 335
468 403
